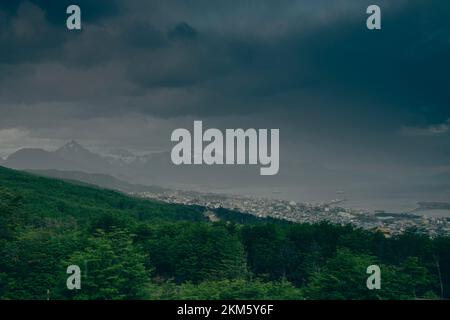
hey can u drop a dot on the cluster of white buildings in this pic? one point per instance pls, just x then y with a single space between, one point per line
389 224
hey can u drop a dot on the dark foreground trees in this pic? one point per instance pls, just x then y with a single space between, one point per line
129 248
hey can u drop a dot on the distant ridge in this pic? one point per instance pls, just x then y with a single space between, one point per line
85 159
70 157
32 158
96 179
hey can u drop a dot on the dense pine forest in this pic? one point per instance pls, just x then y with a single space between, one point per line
130 248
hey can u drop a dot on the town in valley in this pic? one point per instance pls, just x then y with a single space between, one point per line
389 224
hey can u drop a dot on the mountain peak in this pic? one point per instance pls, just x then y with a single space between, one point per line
85 159
72 145
121 153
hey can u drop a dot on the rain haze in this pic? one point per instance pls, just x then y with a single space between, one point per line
362 114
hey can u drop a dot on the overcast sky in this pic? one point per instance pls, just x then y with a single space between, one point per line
343 97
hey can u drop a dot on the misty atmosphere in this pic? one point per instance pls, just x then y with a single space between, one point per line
250 154
121 169
364 115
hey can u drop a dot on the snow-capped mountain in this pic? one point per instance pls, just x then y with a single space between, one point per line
71 156
120 157
32 158
85 159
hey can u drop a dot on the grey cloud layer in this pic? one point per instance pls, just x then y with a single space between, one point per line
312 62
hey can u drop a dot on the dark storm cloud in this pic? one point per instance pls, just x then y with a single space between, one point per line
182 31
313 63
401 69
33 30
25 35
143 35
93 10
404 67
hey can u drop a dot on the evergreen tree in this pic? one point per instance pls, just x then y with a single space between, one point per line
112 268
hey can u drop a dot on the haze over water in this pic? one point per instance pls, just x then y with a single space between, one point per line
356 199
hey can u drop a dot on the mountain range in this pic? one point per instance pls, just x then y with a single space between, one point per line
122 170
154 168
96 179
72 161
72 157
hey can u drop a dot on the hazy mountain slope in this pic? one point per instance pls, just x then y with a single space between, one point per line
86 160
43 197
30 158
98 179
70 157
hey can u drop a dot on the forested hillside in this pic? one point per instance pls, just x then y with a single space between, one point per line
129 248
